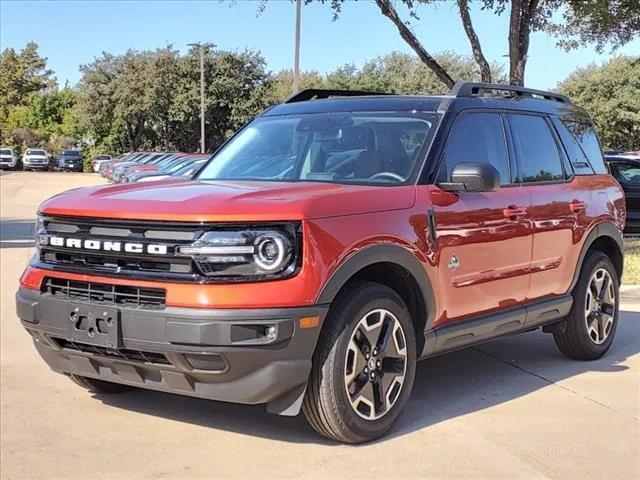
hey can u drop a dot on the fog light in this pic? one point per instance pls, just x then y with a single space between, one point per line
270 332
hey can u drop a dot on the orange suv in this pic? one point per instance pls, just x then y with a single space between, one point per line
330 244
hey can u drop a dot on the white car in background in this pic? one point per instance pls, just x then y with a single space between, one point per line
35 159
8 158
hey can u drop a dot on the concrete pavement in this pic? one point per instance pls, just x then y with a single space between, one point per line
512 408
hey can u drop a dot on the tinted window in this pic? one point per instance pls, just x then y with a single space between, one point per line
5 152
626 173
476 138
577 158
349 147
586 136
36 152
536 149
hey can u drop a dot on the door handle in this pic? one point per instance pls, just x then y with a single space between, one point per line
514 212
577 206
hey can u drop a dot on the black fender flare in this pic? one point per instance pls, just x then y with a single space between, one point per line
605 229
386 253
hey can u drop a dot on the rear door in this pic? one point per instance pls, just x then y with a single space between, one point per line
559 203
483 239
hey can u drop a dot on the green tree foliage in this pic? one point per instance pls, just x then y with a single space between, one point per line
599 22
611 95
396 72
22 74
152 99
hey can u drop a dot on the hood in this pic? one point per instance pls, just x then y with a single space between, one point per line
180 200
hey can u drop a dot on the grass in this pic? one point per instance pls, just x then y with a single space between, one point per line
631 262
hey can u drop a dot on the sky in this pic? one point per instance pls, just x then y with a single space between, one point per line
71 33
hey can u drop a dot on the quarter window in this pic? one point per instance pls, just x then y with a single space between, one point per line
476 138
536 149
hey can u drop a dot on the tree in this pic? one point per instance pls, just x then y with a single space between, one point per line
611 95
602 22
22 74
393 73
597 22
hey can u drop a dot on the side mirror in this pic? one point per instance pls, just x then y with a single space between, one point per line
473 177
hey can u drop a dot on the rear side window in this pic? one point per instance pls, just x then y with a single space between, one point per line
536 148
586 136
476 138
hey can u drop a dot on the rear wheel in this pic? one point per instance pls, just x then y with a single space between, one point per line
98 386
592 322
364 365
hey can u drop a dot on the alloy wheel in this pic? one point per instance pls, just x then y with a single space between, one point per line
600 303
375 364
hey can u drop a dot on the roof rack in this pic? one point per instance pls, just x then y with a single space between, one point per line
318 93
477 89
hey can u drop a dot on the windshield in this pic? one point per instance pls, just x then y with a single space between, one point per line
71 153
5 152
364 148
36 152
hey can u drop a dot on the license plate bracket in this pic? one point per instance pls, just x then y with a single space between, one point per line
94 325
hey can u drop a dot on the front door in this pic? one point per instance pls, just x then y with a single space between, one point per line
483 239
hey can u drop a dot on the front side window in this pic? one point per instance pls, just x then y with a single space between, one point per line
536 149
362 148
476 137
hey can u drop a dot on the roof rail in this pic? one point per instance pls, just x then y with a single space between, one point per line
318 93
477 89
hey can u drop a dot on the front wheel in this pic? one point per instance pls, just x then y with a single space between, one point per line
364 365
592 322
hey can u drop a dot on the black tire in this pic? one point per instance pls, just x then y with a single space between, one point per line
326 404
99 386
575 342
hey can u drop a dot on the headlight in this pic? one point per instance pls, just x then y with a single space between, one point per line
39 226
247 254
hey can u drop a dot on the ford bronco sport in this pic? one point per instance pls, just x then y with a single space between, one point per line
327 246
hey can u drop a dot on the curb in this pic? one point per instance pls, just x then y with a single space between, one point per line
630 292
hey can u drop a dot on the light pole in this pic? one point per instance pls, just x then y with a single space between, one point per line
202 48
296 63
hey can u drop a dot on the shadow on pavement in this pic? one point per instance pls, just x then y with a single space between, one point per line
16 233
445 387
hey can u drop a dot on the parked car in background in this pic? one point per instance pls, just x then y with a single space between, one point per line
159 163
8 159
186 169
106 166
69 161
121 169
626 169
35 159
98 159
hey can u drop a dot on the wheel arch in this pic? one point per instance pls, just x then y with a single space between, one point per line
396 267
607 238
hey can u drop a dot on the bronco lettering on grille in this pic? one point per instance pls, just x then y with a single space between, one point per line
106 245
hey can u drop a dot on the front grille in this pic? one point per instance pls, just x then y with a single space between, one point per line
105 294
123 353
163 265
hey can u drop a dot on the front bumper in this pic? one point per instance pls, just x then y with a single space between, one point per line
71 168
206 353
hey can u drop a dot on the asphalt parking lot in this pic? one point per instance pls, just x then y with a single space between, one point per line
512 408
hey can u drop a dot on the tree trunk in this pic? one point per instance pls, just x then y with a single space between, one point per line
522 13
390 12
465 16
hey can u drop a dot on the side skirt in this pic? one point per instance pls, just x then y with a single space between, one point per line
487 327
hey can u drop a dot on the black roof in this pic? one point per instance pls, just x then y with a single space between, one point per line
464 95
